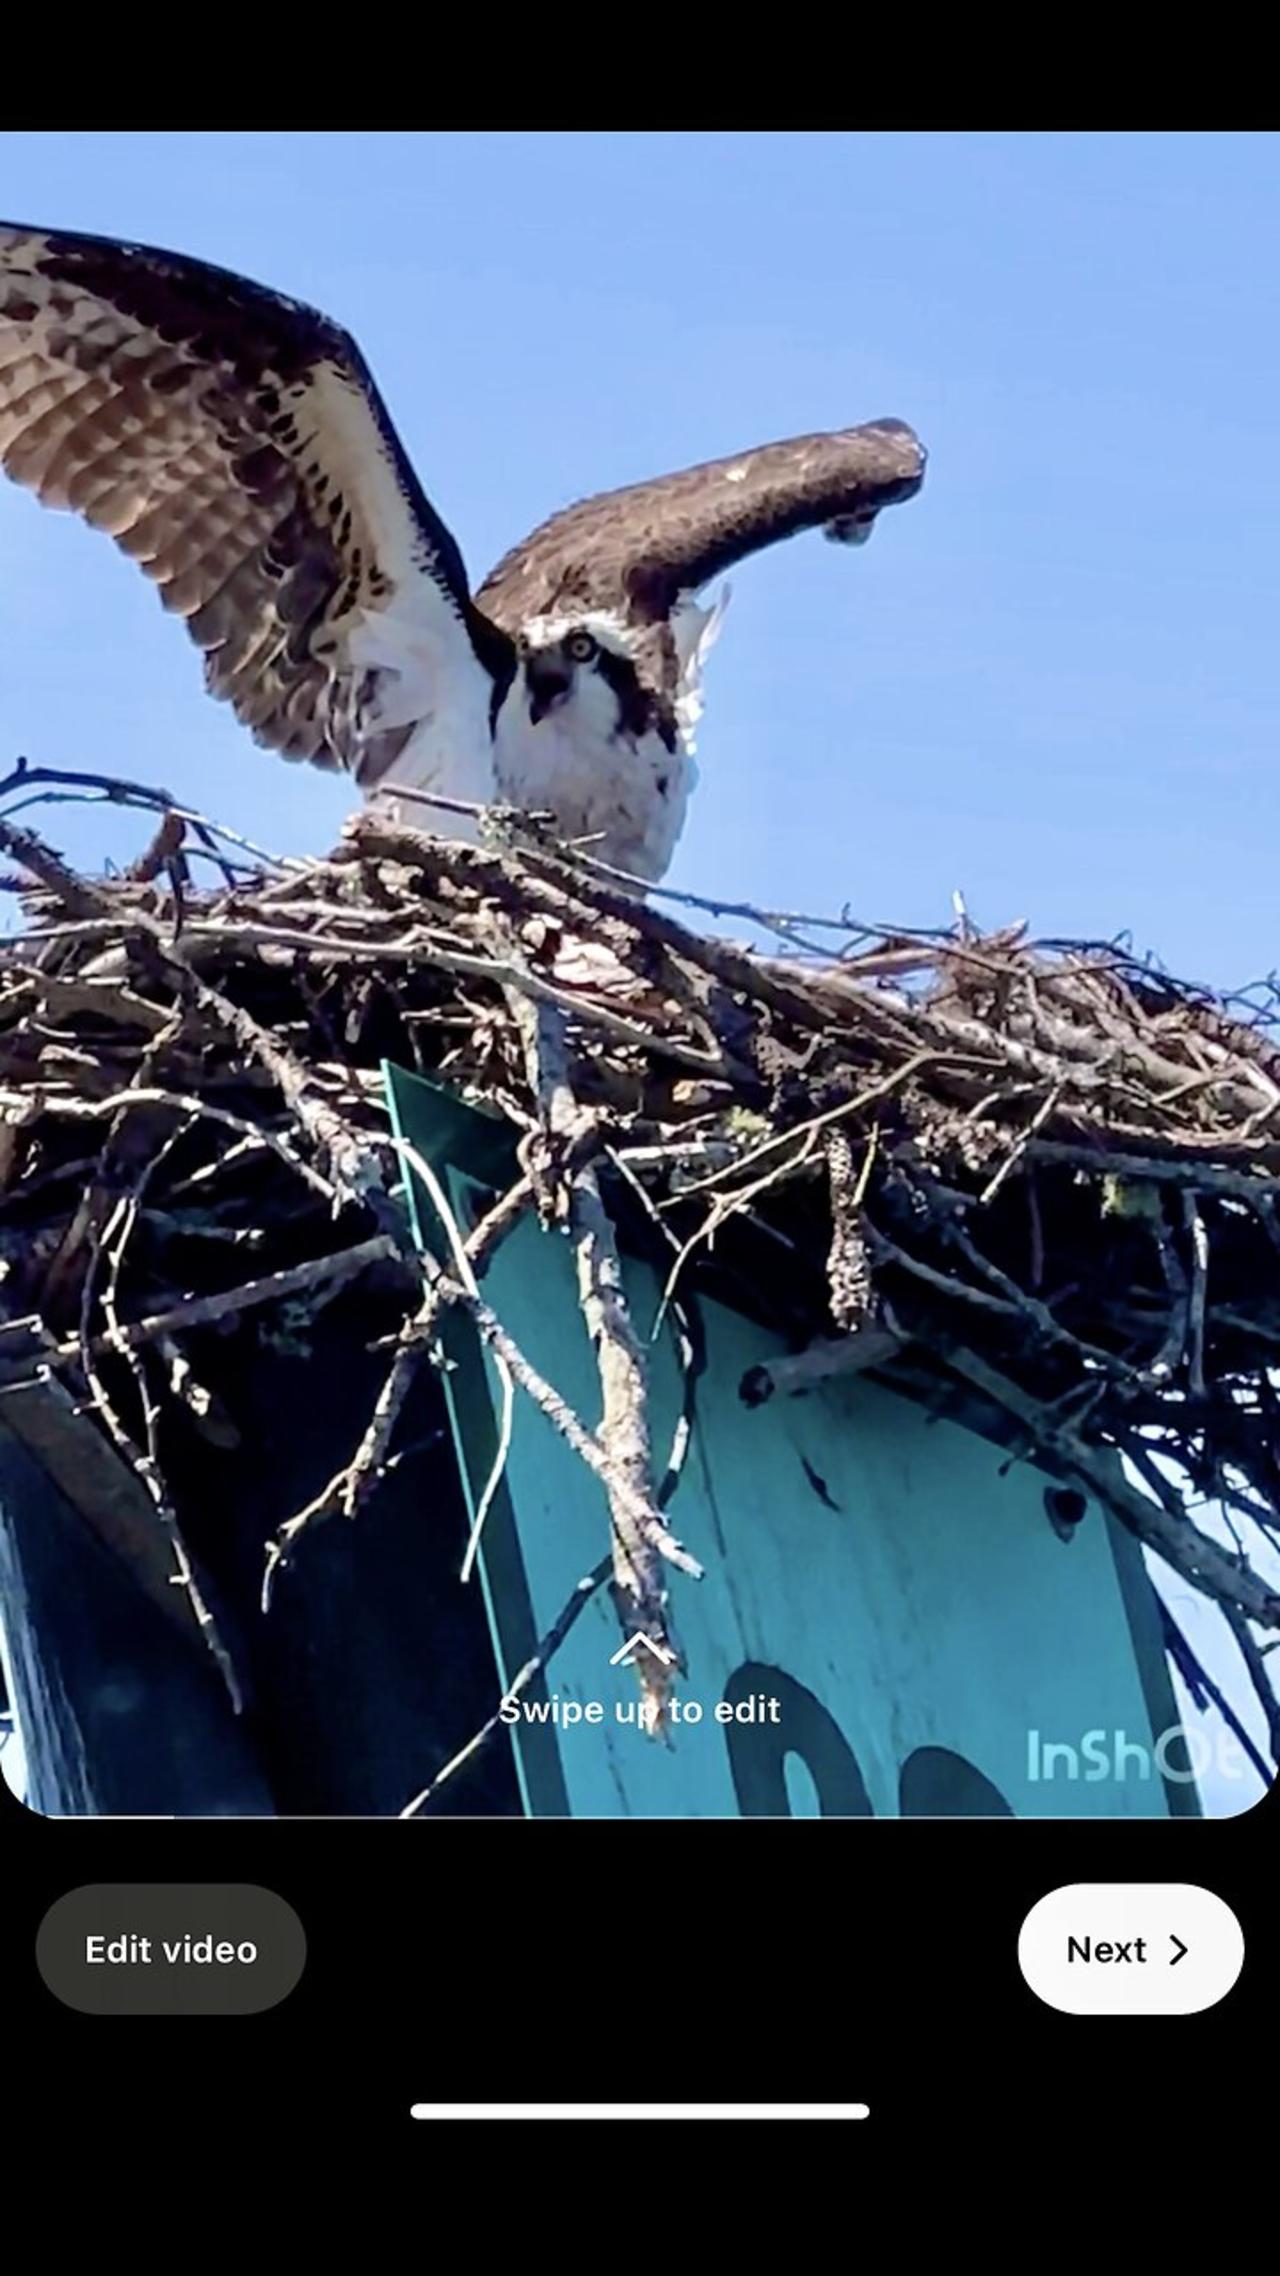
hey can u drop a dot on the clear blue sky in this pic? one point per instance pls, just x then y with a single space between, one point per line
1052 680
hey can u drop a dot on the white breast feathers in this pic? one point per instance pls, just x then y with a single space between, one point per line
619 797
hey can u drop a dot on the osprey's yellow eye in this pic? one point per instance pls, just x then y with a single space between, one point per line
581 647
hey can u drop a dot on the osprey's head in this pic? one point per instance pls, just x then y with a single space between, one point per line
585 668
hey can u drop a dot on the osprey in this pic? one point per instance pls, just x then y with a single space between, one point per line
234 443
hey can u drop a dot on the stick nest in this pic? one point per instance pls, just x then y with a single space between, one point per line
1036 1182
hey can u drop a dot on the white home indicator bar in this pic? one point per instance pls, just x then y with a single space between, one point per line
633 2110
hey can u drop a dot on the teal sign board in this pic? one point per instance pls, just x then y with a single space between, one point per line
889 1624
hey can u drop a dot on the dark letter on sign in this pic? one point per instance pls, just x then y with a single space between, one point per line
757 1751
936 1783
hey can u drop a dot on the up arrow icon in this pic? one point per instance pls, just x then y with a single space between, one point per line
626 1653
1181 1952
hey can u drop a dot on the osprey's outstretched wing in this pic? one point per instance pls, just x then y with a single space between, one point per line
235 444
641 551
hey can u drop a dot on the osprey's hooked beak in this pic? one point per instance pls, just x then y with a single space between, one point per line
548 683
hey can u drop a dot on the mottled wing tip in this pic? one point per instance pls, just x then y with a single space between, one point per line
907 449
898 472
